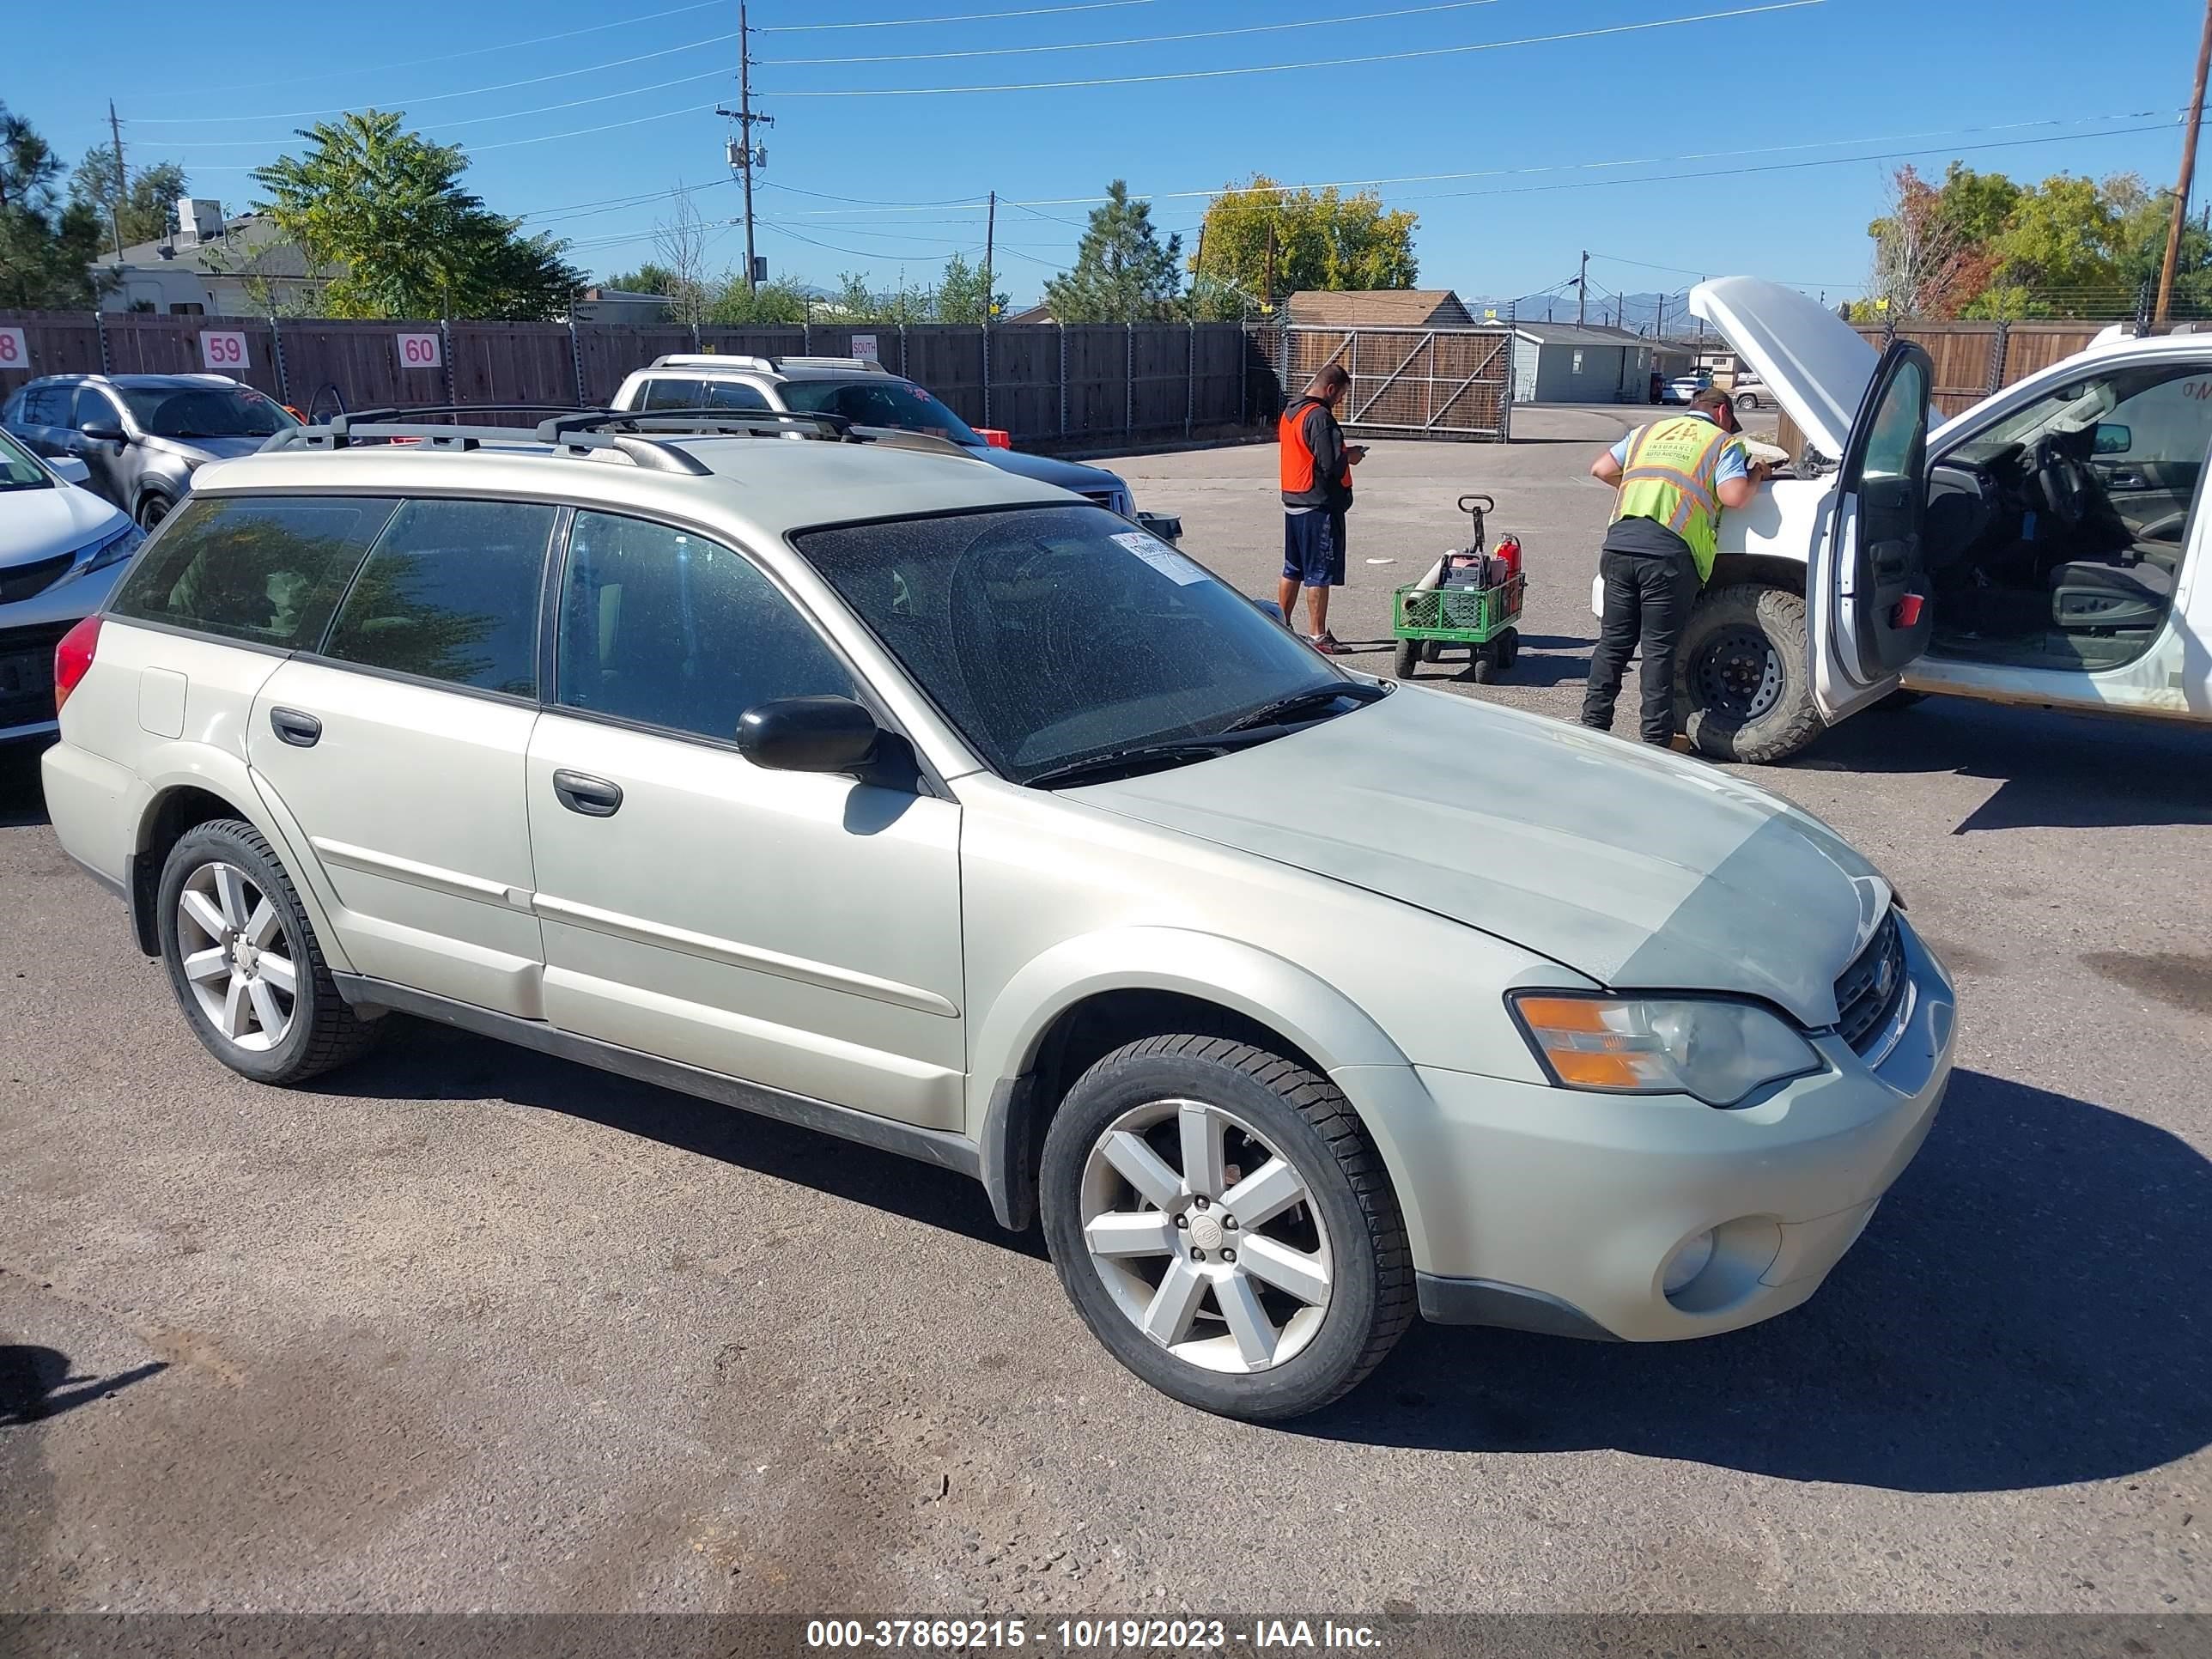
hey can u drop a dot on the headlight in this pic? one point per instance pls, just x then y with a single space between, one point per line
1717 1051
116 548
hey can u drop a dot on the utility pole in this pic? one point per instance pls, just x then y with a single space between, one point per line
1581 284
990 239
122 190
2188 171
743 154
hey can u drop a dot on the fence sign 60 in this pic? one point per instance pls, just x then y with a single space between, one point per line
419 351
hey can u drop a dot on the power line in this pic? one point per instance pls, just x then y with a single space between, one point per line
470 92
198 91
1134 41
964 17
485 120
1329 63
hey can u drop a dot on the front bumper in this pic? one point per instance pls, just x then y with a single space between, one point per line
1547 1209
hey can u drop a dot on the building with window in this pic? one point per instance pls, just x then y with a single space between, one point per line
211 266
1570 363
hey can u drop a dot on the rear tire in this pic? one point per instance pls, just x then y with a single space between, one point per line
1742 677
1167 1295
244 961
1508 649
1408 659
152 509
1483 670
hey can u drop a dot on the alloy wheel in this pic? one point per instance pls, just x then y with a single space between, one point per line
1205 1235
230 940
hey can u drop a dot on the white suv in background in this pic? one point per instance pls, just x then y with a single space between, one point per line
870 788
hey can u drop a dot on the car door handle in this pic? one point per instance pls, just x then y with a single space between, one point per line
595 798
301 731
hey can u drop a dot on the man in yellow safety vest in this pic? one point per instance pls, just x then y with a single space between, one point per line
1674 476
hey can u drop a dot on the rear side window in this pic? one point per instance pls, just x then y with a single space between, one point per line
702 394
450 591
268 570
670 394
47 405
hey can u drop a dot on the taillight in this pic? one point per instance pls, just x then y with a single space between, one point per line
73 659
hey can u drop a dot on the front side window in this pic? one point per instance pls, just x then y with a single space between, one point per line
205 411
18 470
267 569
1048 634
664 627
880 400
450 591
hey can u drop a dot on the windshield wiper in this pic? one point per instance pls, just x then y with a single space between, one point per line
1312 700
1139 757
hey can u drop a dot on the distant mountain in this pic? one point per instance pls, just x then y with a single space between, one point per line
1643 312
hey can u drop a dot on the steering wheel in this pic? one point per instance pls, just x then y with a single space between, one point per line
2062 481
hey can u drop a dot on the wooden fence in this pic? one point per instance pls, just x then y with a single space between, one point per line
1082 385
1971 361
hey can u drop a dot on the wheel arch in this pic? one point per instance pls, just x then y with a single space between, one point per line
1759 570
1088 996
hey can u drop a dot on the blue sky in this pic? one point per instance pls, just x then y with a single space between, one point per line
1550 137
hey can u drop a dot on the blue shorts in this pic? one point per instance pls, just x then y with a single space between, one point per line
1313 547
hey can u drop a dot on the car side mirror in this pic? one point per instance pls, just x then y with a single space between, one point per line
102 432
70 470
2112 438
808 734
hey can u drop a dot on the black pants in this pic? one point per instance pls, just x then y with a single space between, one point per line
1648 597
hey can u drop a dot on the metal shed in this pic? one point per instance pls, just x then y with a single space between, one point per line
1569 363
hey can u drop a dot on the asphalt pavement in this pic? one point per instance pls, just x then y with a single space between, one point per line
464 1328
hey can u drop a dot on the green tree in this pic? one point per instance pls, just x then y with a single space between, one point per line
780 301
387 208
965 295
1261 240
648 278
1122 274
47 245
148 207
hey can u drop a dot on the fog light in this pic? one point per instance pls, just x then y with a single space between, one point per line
1688 1260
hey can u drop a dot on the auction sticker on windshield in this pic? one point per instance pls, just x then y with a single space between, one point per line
1162 557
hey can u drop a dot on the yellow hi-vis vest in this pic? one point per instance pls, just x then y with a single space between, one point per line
1670 478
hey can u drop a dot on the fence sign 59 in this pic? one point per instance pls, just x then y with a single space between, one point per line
14 352
220 350
419 351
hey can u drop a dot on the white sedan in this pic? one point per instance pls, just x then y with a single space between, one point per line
61 550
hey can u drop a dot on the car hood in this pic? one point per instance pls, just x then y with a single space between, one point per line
1814 362
1064 475
199 451
1638 868
41 523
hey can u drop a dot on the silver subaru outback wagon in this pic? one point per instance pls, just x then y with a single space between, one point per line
862 785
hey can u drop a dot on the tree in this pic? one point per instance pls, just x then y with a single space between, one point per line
681 242
1121 273
1261 240
387 207
1924 262
648 278
782 301
963 295
47 247
147 208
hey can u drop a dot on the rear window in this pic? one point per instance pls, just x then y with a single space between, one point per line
267 569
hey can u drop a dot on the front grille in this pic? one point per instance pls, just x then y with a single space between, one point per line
1869 990
27 673
20 581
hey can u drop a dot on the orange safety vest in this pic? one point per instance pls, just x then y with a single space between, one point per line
1297 453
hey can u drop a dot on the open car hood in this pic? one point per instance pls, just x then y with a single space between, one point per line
1812 360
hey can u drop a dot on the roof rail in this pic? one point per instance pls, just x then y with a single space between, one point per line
344 431
772 422
712 360
869 363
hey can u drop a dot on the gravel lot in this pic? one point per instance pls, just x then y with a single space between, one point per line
473 1329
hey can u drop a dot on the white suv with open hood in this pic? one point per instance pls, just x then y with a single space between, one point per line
868 787
2043 547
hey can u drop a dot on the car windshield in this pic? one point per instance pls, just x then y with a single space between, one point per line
205 411
18 470
880 400
1051 634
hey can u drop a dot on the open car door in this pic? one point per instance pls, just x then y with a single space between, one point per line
1866 600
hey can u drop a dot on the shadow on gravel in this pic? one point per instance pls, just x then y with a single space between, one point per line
2053 771
22 796
2030 1307
36 1384
423 1060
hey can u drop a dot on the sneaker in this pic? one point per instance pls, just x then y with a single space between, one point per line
1327 644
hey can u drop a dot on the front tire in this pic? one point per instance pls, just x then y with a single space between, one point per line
1225 1227
244 962
1743 688
1408 659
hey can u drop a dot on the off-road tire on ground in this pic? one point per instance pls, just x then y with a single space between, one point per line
324 1032
1792 720
1311 1125
1408 658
